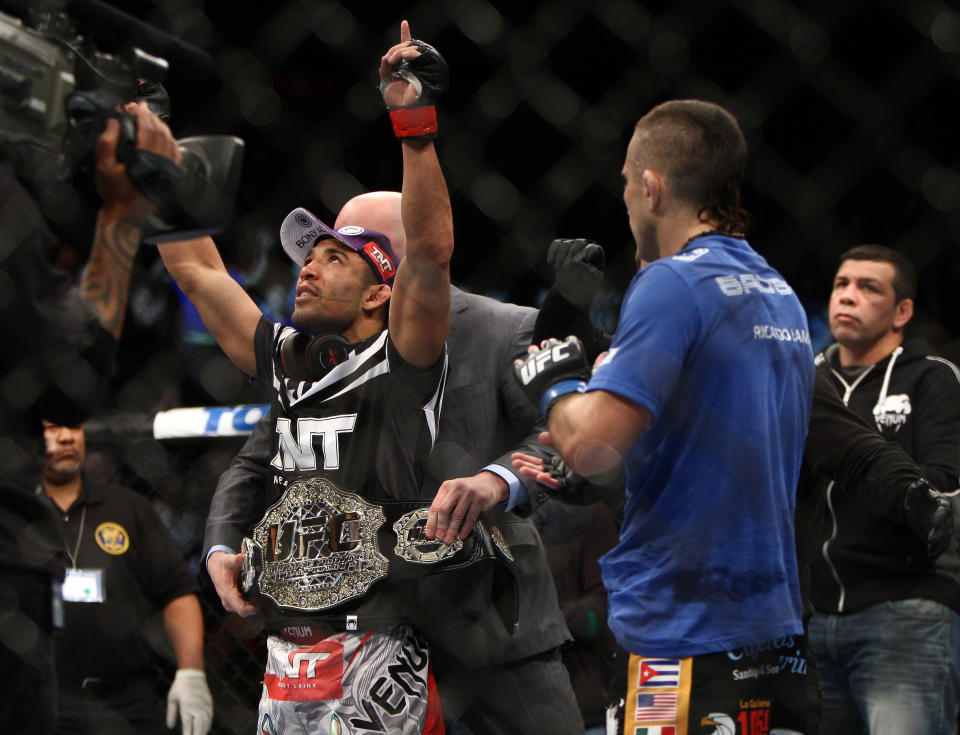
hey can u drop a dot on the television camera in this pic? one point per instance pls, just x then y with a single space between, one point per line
57 91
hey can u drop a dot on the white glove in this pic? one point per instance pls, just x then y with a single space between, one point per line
190 695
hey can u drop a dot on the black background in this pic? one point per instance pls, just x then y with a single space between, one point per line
848 109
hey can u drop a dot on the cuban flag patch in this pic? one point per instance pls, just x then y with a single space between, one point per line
658 672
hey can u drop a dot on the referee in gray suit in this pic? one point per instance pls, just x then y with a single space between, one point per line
491 681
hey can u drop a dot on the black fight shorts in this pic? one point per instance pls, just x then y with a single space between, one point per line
766 689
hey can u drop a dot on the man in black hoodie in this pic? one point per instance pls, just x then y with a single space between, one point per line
886 632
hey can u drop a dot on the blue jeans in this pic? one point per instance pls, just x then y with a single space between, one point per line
889 669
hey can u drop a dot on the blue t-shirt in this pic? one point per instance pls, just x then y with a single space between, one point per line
714 343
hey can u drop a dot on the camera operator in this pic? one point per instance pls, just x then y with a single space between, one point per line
58 347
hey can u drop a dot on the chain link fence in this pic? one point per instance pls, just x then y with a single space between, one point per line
846 107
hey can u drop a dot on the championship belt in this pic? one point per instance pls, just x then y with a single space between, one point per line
319 547
315 548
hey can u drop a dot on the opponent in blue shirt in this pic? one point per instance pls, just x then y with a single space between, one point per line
704 397
713 343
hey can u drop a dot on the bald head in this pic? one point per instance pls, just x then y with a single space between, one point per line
376 210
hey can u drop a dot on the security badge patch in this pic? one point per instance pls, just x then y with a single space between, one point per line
112 538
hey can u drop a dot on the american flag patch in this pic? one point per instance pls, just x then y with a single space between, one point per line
659 672
660 706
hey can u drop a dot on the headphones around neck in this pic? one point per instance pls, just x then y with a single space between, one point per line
311 358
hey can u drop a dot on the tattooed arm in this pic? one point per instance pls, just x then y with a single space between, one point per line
106 279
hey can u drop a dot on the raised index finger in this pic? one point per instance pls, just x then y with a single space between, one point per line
404 31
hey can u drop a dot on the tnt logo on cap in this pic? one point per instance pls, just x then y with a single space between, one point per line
380 261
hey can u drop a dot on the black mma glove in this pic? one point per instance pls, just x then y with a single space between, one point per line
576 489
578 272
929 515
429 76
570 486
577 269
556 369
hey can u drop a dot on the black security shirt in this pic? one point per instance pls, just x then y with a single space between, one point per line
143 569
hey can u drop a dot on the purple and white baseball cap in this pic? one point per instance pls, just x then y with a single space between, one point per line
301 229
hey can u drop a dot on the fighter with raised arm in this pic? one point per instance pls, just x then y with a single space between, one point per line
355 396
488 674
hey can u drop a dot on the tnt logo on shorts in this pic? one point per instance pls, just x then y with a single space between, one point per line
112 538
309 674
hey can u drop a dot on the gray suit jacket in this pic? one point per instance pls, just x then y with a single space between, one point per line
483 419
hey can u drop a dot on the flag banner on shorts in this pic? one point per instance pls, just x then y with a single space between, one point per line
652 707
659 672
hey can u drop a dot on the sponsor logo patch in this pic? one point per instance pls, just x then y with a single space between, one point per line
310 674
892 412
747 283
753 719
381 261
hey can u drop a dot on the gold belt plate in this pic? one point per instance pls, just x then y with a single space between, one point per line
319 546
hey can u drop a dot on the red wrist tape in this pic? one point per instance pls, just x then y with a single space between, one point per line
414 122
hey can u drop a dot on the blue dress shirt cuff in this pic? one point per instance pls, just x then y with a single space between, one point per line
218 547
518 493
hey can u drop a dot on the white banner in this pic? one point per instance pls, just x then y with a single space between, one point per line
207 421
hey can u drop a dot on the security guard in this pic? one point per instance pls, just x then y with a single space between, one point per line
124 567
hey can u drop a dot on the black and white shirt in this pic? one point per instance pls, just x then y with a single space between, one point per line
368 424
